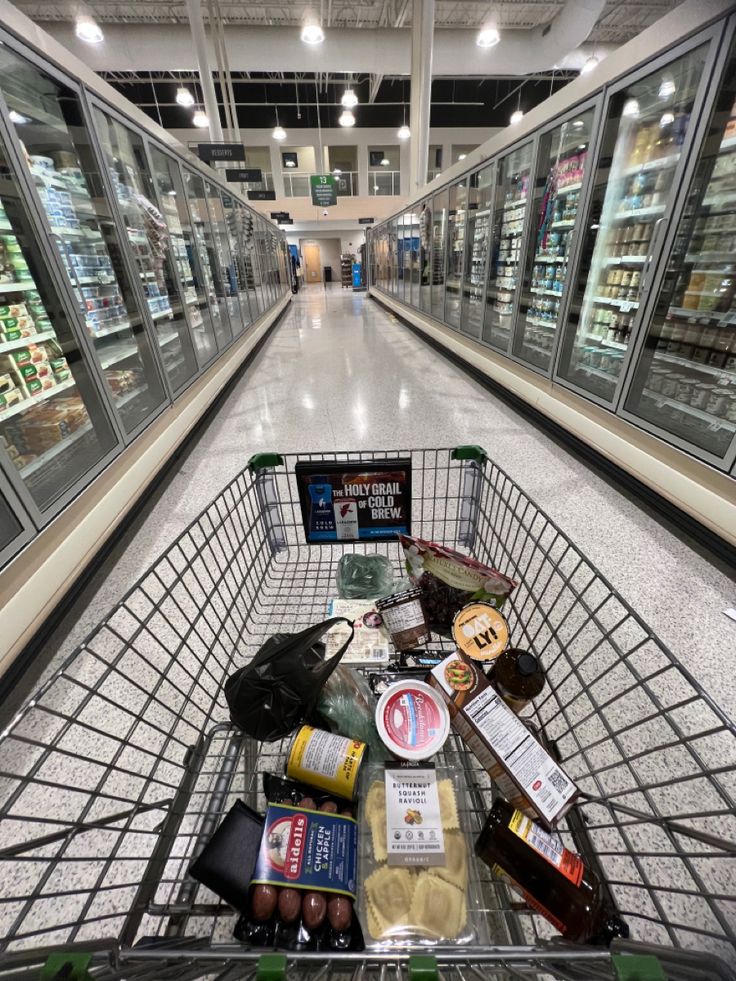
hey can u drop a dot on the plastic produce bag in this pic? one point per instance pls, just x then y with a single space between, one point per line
279 689
364 576
349 706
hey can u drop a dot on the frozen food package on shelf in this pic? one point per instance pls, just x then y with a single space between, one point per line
418 875
449 581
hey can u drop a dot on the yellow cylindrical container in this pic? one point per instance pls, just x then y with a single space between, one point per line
326 760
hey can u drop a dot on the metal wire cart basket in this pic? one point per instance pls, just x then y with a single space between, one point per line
117 772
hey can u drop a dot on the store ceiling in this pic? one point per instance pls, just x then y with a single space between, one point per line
620 21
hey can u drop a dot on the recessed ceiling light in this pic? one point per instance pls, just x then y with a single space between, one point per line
588 65
18 118
291 163
385 162
200 119
346 118
88 30
462 156
516 117
279 133
488 37
403 132
349 99
312 34
184 97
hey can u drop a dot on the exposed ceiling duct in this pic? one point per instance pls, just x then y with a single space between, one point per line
151 47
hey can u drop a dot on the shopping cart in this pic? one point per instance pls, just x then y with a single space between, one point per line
119 769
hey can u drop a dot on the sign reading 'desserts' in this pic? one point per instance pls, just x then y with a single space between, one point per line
261 195
243 174
352 502
324 189
366 221
278 215
221 151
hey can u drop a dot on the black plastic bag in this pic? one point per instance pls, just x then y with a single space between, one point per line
280 688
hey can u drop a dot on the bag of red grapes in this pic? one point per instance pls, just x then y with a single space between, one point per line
449 581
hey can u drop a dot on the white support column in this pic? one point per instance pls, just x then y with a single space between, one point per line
276 168
422 38
196 24
363 188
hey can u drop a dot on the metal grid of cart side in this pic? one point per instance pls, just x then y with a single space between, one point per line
115 774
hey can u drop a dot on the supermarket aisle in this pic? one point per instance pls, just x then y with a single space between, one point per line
340 373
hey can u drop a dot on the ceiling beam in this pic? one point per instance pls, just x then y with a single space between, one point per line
374 87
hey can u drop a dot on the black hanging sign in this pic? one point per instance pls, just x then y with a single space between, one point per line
248 176
261 195
221 151
366 221
351 502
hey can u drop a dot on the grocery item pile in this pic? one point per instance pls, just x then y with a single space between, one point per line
365 839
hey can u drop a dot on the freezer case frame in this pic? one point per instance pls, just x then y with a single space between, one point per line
118 770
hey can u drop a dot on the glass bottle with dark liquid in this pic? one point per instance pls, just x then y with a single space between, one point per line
517 676
553 880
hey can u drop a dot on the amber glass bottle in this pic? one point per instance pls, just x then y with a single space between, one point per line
553 880
517 676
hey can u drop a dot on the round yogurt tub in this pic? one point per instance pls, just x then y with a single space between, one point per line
412 720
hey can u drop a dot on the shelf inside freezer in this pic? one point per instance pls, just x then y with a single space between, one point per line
48 455
625 305
16 287
657 164
32 400
709 369
714 422
649 212
47 335
115 329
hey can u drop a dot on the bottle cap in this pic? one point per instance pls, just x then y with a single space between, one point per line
527 664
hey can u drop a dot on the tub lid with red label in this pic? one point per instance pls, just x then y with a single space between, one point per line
412 720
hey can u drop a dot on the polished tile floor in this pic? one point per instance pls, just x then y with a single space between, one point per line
339 373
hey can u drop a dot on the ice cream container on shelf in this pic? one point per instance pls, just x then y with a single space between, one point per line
701 394
656 378
684 391
412 720
730 412
719 399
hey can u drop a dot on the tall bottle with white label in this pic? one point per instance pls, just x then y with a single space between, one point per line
553 880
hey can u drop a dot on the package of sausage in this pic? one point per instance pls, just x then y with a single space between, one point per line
303 885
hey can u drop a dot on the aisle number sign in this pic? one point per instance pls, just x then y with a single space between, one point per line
324 190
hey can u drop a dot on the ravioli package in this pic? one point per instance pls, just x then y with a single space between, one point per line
418 882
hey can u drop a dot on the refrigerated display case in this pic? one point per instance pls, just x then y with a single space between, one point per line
151 244
425 256
647 123
55 431
480 196
456 213
235 231
510 200
204 243
172 199
226 288
684 382
562 163
440 205
57 150
16 528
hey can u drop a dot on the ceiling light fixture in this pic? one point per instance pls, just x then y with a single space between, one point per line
403 132
385 162
589 64
376 188
337 171
88 30
346 118
279 133
312 34
18 118
184 97
462 156
488 37
200 119
291 163
349 99
516 117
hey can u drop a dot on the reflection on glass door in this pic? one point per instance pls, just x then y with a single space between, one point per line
439 238
224 271
480 194
561 166
455 252
191 275
205 248
247 237
53 426
13 532
646 127
234 223
425 255
49 122
685 380
510 208
151 244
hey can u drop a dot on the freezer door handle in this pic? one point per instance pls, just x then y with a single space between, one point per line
659 226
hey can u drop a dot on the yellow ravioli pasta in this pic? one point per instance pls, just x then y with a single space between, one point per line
438 907
448 804
375 801
389 893
455 869
375 927
378 836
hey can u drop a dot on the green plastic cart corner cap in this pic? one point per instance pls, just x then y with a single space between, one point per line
271 967
423 967
470 452
66 967
637 967
264 461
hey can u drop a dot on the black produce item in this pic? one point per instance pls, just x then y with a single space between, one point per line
280 688
226 862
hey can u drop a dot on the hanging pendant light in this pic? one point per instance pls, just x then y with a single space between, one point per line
349 99
200 119
184 97
346 118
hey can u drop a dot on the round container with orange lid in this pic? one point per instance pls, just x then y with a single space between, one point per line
480 631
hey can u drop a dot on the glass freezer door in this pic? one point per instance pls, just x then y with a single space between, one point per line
53 426
192 277
645 130
425 255
233 222
204 246
561 166
50 125
505 262
151 245
480 195
439 240
226 285
684 384
455 252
